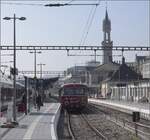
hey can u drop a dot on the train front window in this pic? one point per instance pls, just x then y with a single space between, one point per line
74 91
79 91
68 91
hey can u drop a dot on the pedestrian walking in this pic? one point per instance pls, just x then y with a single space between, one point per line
24 104
38 101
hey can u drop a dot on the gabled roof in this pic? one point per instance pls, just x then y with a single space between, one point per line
108 67
125 73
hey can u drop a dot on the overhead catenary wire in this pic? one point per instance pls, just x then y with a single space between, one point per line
88 24
66 4
53 0
49 5
25 4
91 55
84 30
69 0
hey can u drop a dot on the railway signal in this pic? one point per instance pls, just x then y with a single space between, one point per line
136 118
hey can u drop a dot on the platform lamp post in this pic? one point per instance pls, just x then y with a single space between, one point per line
41 65
35 77
35 52
14 18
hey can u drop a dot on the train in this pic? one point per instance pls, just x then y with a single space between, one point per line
73 96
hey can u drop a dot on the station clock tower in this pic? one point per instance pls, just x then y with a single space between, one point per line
107 43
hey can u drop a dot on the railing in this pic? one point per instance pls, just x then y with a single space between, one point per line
143 115
135 127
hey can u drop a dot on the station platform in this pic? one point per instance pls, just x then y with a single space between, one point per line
37 125
124 106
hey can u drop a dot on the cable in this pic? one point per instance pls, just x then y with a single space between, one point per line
51 5
84 30
11 3
70 1
66 4
89 23
51 0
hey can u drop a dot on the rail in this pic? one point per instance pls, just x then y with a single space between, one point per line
94 128
136 128
143 115
69 126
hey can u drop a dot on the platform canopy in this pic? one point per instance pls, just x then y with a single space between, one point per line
45 83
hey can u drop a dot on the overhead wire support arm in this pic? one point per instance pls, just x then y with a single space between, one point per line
54 5
68 4
51 4
83 48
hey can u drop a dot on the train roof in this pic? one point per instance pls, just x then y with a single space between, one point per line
74 85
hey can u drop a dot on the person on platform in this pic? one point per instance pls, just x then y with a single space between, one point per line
24 103
38 102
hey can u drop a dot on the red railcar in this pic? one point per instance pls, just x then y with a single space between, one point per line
74 96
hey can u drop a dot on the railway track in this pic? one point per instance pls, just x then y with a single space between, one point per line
90 124
141 130
102 124
69 126
109 130
82 128
121 114
94 128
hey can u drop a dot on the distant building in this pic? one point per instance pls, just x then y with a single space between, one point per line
82 74
76 73
142 66
146 68
125 73
139 61
134 91
132 65
107 43
104 71
115 74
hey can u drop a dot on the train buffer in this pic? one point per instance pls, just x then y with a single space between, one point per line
37 125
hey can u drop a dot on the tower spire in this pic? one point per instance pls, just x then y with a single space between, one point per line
107 43
106 15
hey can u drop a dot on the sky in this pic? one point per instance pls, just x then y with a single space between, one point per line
68 26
